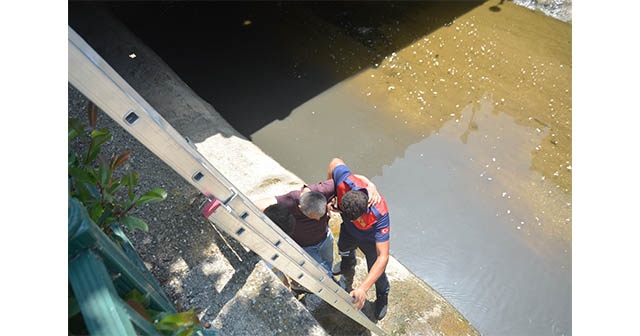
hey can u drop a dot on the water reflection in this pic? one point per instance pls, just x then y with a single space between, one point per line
467 132
480 244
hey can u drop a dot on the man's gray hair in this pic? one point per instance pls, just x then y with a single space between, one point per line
313 203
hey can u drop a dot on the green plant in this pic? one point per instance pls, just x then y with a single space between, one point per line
179 324
109 199
93 182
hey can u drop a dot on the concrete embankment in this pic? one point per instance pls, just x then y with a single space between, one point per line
198 266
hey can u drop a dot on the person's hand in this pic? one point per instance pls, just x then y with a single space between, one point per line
359 297
374 196
332 205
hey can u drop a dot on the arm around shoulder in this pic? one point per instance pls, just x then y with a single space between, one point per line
374 196
263 203
332 165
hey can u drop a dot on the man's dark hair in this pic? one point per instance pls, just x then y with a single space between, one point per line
280 215
354 204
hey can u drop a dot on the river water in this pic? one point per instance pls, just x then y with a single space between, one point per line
459 112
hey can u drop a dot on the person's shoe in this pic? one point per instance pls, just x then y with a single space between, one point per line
336 269
381 306
348 280
298 289
347 275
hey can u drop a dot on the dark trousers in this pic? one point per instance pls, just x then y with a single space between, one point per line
347 245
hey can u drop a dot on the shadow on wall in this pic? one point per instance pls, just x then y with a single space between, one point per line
257 61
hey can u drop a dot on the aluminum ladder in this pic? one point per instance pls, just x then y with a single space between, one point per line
228 208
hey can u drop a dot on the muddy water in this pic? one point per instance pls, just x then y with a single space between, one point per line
467 133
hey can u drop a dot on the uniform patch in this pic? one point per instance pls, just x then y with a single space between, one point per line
384 230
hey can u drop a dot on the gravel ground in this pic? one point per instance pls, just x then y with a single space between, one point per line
199 266
196 265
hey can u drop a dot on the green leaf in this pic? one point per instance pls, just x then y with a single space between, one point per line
184 319
187 332
153 195
100 136
174 322
135 295
80 175
108 221
96 212
78 190
107 218
167 326
91 153
130 204
73 158
133 223
75 128
86 192
107 196
115 186
130 180
105 173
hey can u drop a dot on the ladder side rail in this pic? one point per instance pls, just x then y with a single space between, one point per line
245 208
107 89
150 134
101 84
89 73
326 288
292 250
254 238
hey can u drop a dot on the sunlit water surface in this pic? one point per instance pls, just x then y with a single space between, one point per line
467 133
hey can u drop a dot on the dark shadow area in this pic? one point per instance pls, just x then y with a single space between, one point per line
497 8
257 61
335 322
